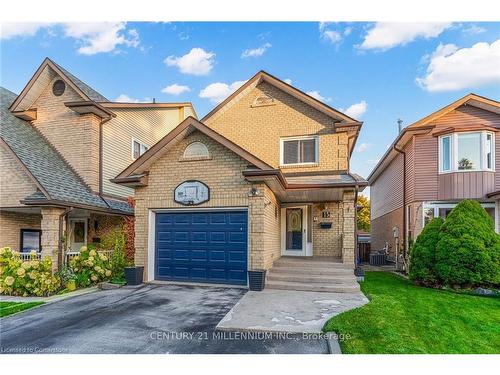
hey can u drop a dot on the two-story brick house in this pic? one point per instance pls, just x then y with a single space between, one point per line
263 175
450 155
61 143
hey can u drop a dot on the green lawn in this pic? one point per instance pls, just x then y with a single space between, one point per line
404 318
8 308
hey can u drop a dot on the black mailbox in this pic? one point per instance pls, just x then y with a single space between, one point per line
325 225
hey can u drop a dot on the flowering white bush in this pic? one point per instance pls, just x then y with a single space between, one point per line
90 267
26 278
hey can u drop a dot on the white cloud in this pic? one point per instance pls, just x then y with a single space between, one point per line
175 89
363 147
288 80
386 35
9 30
316 95
256 52
197 62
97 37
331 36
452 68
356 110
474 30
123 98
218 91
372 161
101 37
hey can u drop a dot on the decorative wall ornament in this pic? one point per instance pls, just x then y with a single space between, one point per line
196 150
263 100
191 193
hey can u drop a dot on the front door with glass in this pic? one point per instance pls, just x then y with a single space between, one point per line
294 233
78 233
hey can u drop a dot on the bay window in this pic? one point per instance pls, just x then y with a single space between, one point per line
431 210
463 152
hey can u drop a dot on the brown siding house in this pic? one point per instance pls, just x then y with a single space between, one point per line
450 155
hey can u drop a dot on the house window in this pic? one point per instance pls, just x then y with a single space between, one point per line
442 210
463 152
196 150
303 150
31 239
138 149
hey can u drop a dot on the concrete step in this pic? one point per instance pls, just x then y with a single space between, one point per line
311 264
332 288
307 271
310 278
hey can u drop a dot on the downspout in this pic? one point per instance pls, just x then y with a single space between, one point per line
60 242
404 199
356 251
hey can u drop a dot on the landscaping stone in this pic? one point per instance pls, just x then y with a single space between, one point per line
485 292
108 286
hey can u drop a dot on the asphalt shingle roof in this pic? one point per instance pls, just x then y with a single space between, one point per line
45 163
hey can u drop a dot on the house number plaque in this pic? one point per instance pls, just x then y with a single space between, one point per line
191 193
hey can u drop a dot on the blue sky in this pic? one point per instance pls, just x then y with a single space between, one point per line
377 72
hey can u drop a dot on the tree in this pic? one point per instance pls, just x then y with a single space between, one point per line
363 213
468 250
423 254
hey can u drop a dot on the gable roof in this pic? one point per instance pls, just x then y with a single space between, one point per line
302 96
47 70
141 165
57 181
424 125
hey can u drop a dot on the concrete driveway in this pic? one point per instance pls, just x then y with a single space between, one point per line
145 319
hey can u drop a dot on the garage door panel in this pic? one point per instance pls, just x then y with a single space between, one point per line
202 246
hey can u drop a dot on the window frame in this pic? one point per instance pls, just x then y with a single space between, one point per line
436 206
300 138
454 152
142 146
206 156
21 239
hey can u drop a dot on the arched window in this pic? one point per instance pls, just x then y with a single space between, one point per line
196 150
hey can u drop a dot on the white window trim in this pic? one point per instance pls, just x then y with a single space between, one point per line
316 150
142 144
436 206
454 153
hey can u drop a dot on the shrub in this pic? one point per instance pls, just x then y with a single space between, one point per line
118 259
90 267
423 254
26 278
468 250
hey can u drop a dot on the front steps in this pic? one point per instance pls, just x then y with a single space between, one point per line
306 274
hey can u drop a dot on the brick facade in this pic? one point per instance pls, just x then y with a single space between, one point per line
327 242
11 224
50 233
243 123
222 172
381 231
75 136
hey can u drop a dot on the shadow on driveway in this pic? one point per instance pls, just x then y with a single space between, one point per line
145 319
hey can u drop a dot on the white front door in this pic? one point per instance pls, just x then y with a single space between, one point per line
294 230
78 234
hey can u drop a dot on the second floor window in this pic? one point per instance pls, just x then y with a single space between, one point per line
462 152
303 150
138 149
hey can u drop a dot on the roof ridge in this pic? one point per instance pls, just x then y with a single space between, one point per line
77 81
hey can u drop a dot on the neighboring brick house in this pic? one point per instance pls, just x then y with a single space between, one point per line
61 142
450 155
263 175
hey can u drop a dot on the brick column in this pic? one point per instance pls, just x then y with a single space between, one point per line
348 228
50 233
256 206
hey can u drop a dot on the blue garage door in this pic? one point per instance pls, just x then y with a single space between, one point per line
202 246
